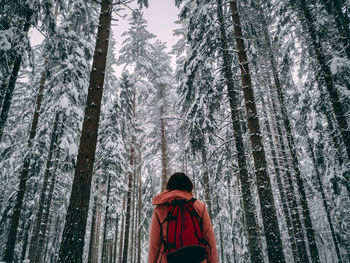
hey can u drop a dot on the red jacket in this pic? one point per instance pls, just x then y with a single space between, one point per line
156 246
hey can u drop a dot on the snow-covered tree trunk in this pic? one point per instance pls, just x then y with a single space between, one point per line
267 205
249 209
71 249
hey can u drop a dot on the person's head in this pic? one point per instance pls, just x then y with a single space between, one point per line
179 181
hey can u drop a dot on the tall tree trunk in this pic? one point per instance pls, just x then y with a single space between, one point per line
267 205
14 219
96 247
285 208
3 89
163 139
46 222
139 209
128 202
49 172
104 245
91 256
25 241
324 199
205 181
302 195
115 249
35 235
121 239
249 209
133 214
8 97
326 76
93 231
71 249
288 182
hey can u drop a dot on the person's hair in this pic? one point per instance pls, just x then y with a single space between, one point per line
179 181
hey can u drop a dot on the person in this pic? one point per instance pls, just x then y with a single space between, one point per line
179 187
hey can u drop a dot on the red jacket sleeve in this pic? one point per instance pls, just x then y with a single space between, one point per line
208 234
154 239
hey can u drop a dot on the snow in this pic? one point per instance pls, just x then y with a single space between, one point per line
79 51
338 63
70 66
64 102
73 149
4 36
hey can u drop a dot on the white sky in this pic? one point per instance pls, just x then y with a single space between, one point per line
161 15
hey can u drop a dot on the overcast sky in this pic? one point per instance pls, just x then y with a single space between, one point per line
161 15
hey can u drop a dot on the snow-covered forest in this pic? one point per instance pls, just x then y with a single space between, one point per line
252 103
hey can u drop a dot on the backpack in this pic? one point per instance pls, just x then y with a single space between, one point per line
185 242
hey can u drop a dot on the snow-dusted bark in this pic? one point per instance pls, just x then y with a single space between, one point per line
71 249
267 205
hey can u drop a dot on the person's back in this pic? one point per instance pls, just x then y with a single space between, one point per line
179 187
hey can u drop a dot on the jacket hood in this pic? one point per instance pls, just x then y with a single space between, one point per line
169 195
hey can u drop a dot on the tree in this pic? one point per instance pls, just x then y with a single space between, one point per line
71 248
272 233
248 202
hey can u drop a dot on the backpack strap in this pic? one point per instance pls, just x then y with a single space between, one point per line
201 240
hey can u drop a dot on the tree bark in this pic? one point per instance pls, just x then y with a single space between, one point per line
270 220
249 209
71 249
